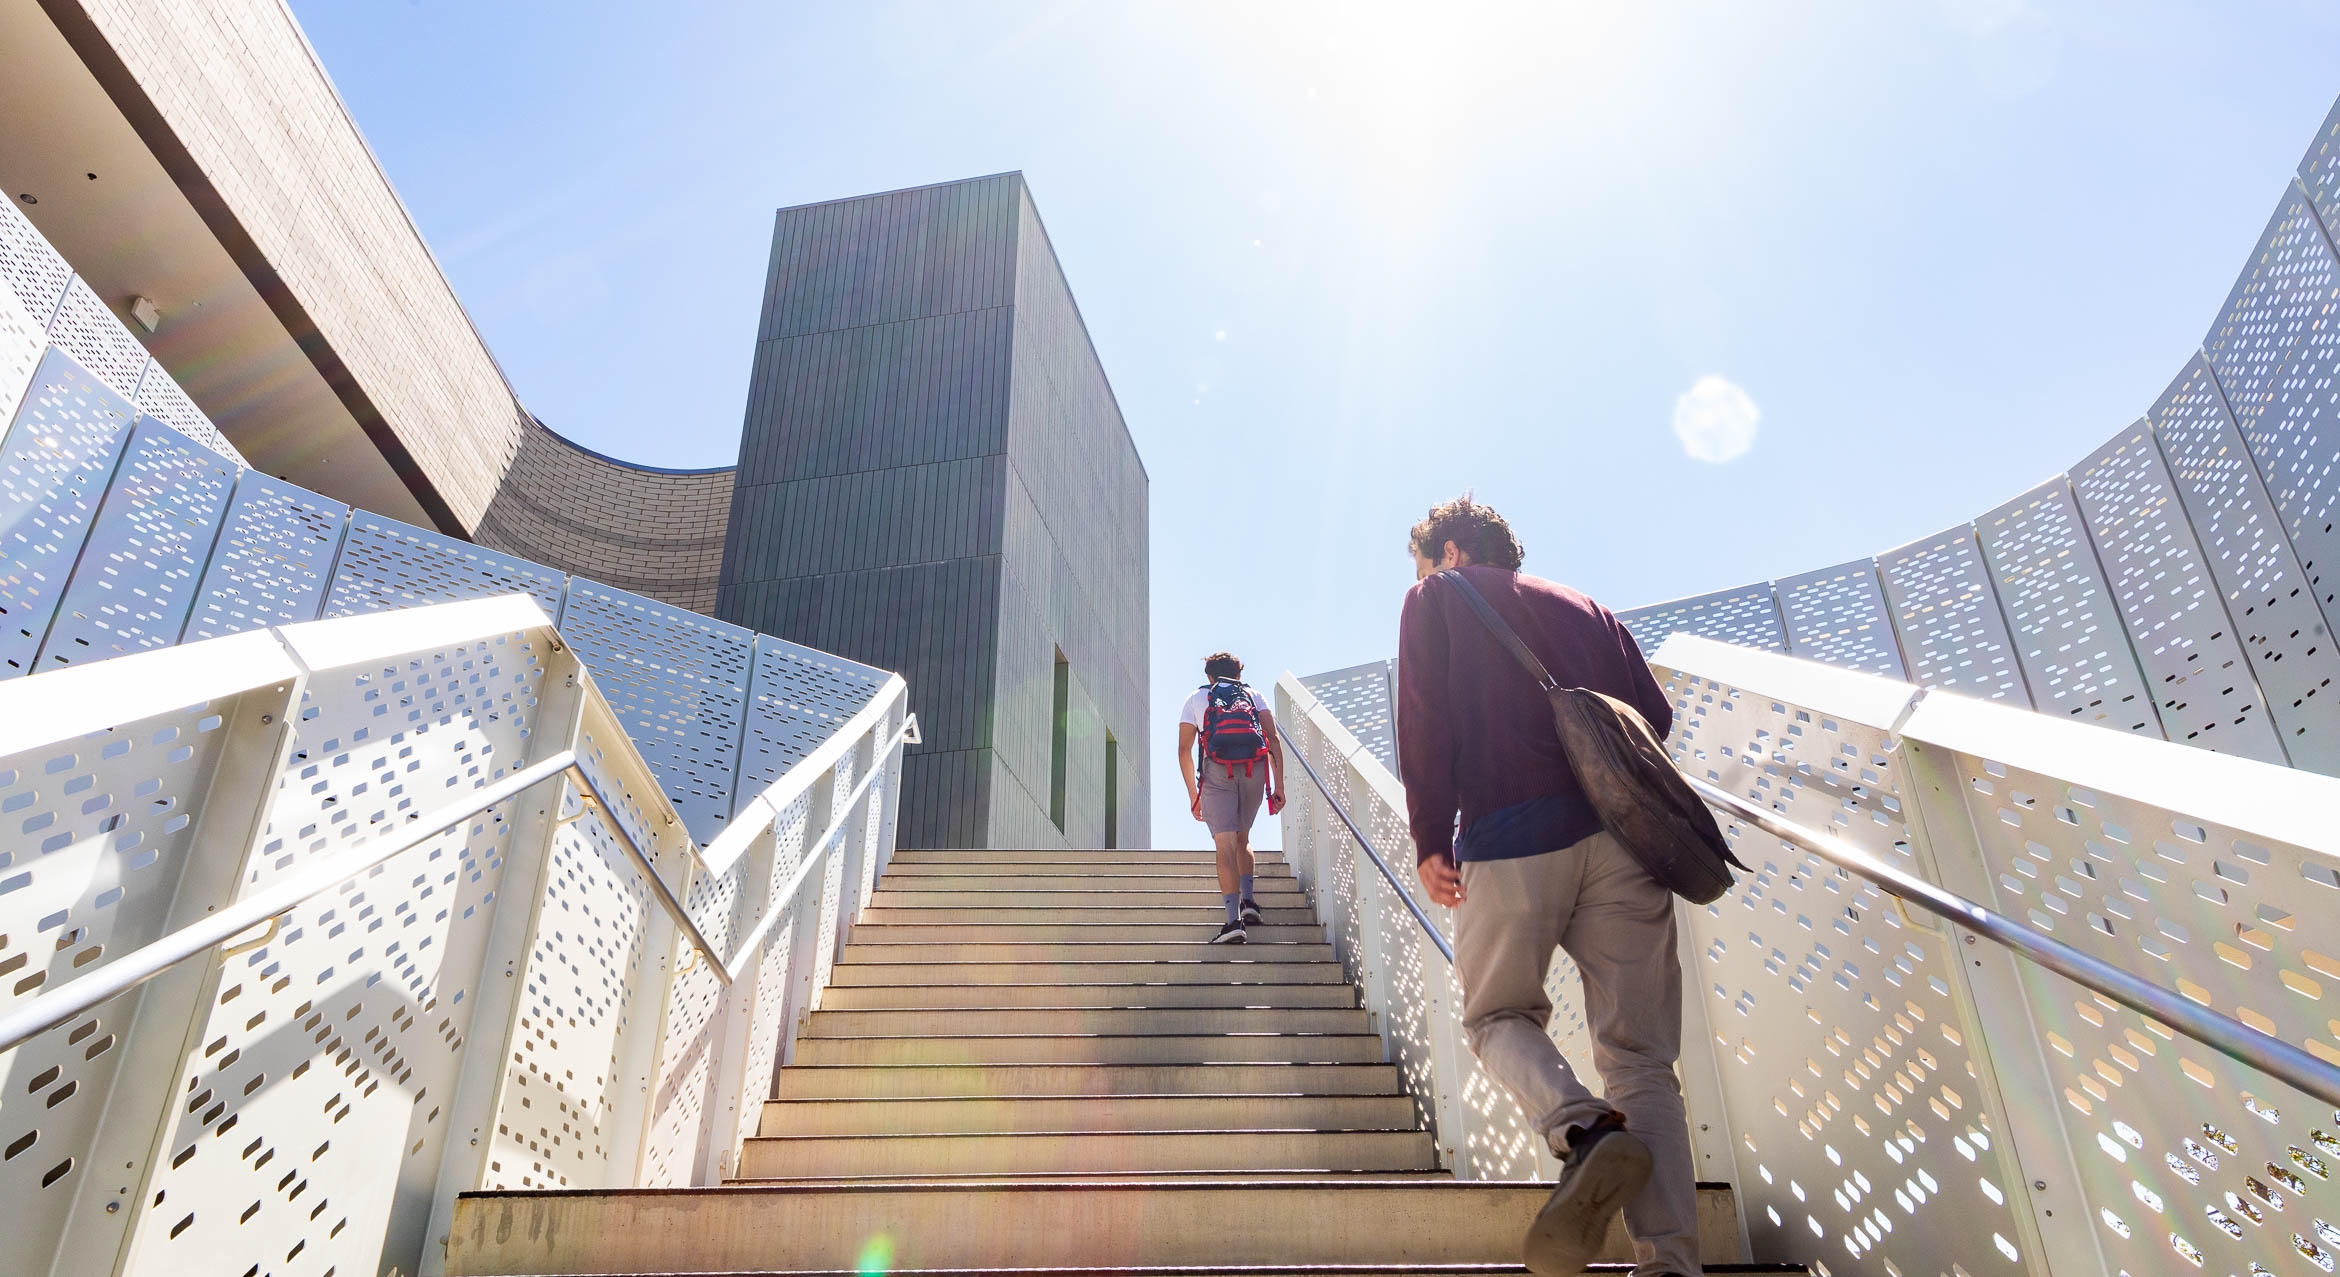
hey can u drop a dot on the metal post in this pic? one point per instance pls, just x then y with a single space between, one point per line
495 1019
2043 1173
1449 1067
170 1008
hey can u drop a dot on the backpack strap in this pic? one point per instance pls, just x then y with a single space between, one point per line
1501 629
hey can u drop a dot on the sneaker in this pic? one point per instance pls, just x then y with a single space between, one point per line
1232 933
1604 1167
1249 910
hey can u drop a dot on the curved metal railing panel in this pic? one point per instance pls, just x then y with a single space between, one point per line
2132 1076
560 990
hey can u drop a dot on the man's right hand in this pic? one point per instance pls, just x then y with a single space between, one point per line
1442 878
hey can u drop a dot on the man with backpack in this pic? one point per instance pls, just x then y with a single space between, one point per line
1535 869
1227 748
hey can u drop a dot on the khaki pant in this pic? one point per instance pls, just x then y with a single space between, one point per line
1595 901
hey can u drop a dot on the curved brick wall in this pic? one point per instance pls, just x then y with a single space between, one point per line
654 532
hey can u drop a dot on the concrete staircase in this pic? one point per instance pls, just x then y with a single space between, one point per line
1034 1060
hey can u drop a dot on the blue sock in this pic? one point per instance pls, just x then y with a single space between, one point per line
1230 898
1246 881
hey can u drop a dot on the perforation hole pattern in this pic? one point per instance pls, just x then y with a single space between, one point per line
1947 612
2267 596
2294 436
1360 700
2286 286
2175 615
22 341
2069 637
161 398
386 565
30 268
799 697
1837 615
54 466
679 684
1498 1142
319 1074
2319 169
1747 616
139 571
272 560
85 329
98 836
2177 1147
1861 1121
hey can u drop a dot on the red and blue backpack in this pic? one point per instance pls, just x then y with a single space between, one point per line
1231 730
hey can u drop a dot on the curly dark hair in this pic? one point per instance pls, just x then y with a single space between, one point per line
1222 665
1474 528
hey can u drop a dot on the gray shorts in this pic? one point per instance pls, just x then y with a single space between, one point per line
1229 805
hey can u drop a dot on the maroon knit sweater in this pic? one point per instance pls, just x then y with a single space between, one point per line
1473 730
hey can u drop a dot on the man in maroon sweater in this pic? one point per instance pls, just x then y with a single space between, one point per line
1532 871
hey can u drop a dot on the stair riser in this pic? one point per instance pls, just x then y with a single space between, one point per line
1210 915
1201 871
1073 932
918 997
1066 895
802 1083
1015 1227
1112 1113
995 856
852 974
1144 951
1072 1154
1344 1049
1177 1021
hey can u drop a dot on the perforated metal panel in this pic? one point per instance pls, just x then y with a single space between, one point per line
2188 1161
2175 615
679 683
161 397
558 1111
2267 596
23 340
2319 170
2295 444
1837 616
1947 616
318 1076
85 329
2067 632
272 560
2288 287
100 834
138 574
386 564
31 269
1866 1130
54 466
1747 616
1361 698
1378 941
800 696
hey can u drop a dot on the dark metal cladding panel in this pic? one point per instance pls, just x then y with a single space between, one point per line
919 356
1075 519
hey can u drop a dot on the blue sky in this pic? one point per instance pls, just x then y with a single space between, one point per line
1345 261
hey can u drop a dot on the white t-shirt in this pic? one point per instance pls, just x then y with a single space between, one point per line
1192 715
